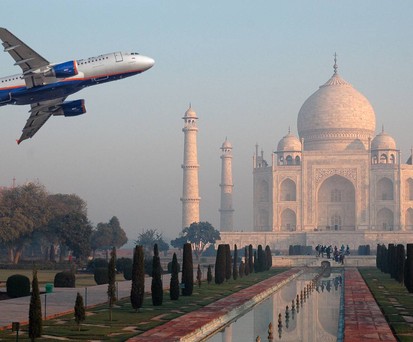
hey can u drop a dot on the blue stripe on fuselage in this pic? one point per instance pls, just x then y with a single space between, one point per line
24 96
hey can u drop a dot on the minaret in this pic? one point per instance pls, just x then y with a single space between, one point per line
226 211
190 195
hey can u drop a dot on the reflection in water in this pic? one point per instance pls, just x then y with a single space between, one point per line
312 316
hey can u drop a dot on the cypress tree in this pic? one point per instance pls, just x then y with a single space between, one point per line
199 276
401 256
156 287
241 269
228 263
35 310
235 268
209 274
187 271
246 263
80 312
112 279
260 258
256 266
220 264
174 284
408 275
268 257
250 259
138 279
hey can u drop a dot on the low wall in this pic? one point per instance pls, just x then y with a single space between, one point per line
280 241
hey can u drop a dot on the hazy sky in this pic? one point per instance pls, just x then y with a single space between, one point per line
246 67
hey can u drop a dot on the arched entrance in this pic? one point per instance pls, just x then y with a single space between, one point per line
336 204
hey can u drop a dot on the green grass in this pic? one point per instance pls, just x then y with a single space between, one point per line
47 276
127 323
389 294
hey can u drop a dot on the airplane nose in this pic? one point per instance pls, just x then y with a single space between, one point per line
146 62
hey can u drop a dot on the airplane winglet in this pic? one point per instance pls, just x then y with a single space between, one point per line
18 141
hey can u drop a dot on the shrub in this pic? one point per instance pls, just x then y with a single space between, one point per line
101 275
97 263
138 279
209 274
235 267
220 264
156 286
65 279
187 271
123 263
18 286
228 263
127 272
35 310
174 283
170 267
199 276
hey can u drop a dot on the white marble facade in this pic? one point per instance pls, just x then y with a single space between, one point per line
337 176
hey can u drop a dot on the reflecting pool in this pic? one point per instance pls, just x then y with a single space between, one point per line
302 310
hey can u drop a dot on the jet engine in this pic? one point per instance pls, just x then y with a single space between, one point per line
71 108
62 70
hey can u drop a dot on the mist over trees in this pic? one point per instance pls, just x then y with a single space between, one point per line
34 220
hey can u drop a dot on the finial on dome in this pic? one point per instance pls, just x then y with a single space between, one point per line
382 128
289 129
335 63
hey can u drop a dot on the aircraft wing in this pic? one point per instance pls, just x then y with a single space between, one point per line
25 57
40 113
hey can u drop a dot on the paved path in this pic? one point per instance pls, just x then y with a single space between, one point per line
363 319
62 300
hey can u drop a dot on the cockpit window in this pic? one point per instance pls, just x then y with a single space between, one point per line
134 53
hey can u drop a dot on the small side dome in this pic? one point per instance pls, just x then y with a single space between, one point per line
190 113
289 143
383 141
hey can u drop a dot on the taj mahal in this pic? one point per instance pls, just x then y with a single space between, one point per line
337 182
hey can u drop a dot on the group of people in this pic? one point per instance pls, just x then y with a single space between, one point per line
333 253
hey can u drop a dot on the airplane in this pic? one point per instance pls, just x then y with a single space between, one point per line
45 86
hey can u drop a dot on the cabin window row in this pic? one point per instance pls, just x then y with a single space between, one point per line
93 60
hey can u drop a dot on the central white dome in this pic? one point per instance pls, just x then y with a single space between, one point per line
336 117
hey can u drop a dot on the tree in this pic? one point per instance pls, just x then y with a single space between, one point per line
60 205
179 242
268 257
250 259
247 264
220 264
200 235
80 312
75 232
199 276
187 271
108 235
138 279
228 263
112 281
156 287
209 274
235 267
174 283
23 211
241 269
35 310
148 238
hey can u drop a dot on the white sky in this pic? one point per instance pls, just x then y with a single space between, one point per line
246 67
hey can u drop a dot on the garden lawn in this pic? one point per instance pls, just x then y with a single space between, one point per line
394 300
127 323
